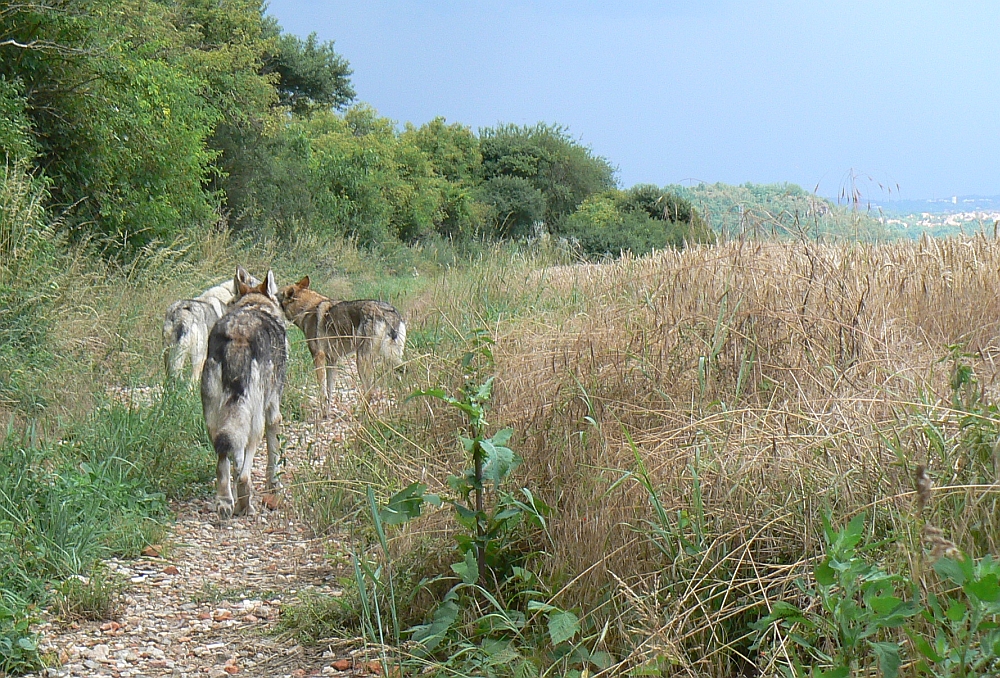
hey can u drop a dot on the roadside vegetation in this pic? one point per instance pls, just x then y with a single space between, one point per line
634 435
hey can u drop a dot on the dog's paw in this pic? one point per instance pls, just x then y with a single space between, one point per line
225 509
244 506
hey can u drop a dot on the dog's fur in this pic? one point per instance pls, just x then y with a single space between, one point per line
188 322
367 328
241 389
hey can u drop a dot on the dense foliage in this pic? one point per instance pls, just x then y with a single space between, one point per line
155 120
641 219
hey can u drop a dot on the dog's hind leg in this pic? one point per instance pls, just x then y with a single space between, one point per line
244 481
223 486
199 353
319 361
365 357
272 424
331 382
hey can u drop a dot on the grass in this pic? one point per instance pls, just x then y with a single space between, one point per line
689 417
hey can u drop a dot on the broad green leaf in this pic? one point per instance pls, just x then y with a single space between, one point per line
498 463
838 672
900 614
888 658
851 534
986 589
950 569
956 612
484 391
824 574
925 648
883 604
539 606
467 569
438 393
502 437
431 635
403 506
563 626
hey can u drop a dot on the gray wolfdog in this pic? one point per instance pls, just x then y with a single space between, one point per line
364 327
188 322
241 390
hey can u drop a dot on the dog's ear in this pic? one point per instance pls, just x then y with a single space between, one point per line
270 285
241 281
303 284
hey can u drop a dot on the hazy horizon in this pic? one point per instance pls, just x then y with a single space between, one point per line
902 95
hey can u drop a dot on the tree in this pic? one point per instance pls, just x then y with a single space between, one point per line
562 169
139 110
453 150
515 205
311 75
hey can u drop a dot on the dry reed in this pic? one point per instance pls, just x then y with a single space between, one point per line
761 384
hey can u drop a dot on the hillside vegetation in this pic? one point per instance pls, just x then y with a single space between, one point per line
784 211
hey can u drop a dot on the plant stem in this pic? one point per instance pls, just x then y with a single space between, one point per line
480 534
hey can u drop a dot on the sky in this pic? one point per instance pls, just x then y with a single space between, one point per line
898 100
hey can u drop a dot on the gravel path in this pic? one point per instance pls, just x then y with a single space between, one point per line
207 601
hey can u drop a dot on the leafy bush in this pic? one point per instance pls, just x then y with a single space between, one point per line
27 283
16 142
638 220
563 170
514 203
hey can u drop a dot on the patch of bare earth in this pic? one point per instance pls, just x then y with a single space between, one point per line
207 602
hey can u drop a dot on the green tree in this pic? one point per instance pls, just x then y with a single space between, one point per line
515 205
137 107
562 169
16 141
311 75
453 153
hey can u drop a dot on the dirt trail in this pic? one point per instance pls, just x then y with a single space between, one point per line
208 602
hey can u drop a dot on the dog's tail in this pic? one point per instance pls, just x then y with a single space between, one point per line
176 328
392 340
224 446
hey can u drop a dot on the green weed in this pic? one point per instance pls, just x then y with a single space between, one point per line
97 597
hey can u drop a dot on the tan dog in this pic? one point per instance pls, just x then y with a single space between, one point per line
364 327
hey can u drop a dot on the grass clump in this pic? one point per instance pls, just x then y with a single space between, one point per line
691 417
98 597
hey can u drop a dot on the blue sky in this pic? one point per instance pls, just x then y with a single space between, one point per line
899 93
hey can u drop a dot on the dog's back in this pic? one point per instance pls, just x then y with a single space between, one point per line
185 334
241 386
244 370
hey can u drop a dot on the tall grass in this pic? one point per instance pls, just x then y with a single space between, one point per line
691 415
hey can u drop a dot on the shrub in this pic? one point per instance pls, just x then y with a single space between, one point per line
639 220
514 203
